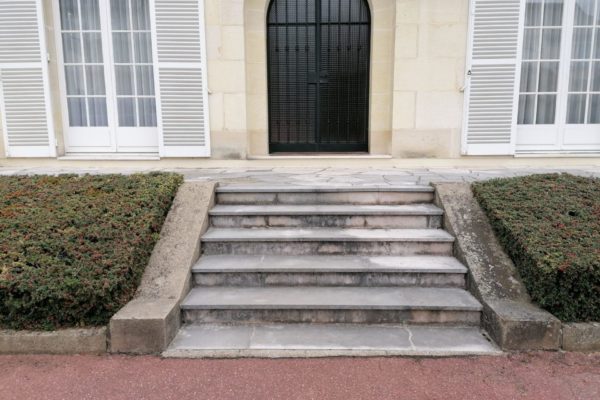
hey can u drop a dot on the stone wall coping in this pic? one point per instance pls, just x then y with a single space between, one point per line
509 316
148 323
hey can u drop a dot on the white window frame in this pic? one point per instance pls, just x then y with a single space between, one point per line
119 138
559 137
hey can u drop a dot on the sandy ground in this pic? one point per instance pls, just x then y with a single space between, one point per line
522 376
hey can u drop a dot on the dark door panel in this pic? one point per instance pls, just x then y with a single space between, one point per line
318 75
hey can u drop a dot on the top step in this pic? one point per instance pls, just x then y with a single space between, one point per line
262 194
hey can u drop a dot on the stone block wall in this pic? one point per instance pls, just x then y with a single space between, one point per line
429 73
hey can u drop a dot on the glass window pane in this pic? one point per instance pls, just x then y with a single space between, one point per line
72 47
98 114
126 110
77 113
578 78
147 110
594 112
548 77
145 80
553 10
92 47
533 13
598 15
526 109
529 76
122 46
546 109
143 47
531 44
596 77
140 13
576 109
584 12
69 15
119 12
74 80
124 80
90 15
582 43
597 41
94 75
551 44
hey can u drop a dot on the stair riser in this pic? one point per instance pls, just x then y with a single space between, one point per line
329 248
328 221
326 198
332 316
261 279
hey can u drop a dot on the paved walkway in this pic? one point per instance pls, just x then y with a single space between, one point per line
324 176
540 376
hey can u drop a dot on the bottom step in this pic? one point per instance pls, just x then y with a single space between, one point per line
326 340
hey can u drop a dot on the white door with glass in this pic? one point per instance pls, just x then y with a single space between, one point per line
107 76
559 99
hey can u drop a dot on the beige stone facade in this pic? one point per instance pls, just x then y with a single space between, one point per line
418 58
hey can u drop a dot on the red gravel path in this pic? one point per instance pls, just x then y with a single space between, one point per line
542 376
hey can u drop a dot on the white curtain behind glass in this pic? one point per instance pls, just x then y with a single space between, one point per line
84 69
541 62
584 80
134 75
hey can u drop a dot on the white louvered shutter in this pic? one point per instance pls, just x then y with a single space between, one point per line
24 91
492 84
181 78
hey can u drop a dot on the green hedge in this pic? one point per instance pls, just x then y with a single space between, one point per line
73 248
550 226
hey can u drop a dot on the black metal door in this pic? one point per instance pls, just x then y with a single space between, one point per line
318 75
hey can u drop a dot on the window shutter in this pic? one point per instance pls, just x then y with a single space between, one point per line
24 91
492 82
183 96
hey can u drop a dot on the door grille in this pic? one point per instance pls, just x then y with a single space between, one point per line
318 75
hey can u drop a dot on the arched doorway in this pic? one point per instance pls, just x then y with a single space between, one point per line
318 75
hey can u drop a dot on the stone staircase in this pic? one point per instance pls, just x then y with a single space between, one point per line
300 271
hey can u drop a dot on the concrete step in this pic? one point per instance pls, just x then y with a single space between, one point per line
327 340
331 241
328 215
271 270
260 194
331 305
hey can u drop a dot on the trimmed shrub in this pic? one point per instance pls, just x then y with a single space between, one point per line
73 248
550 226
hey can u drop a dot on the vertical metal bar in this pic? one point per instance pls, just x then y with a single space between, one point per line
318 73
306 87
350 68
296 91
339 71
287 74
328 125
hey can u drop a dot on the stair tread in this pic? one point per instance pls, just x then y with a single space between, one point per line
311 297
325 209
305 340
340 264
258 188
325 235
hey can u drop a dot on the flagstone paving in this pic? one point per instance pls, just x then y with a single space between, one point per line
343 177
